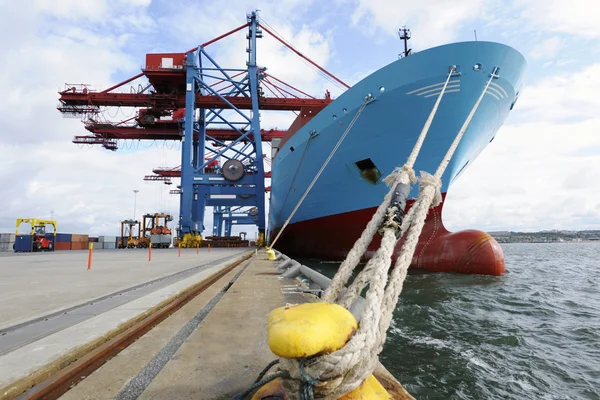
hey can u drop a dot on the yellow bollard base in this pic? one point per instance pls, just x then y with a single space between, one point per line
270 390
271 255
370 389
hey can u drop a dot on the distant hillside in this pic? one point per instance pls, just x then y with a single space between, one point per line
546 236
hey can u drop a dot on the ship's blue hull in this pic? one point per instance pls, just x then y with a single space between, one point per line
384 134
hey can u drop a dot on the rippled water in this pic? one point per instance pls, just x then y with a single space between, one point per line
533 333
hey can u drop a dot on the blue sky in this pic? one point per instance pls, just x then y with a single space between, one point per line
541 172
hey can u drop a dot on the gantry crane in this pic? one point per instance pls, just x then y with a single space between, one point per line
129 239
215 113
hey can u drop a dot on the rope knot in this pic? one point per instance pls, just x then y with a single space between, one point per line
430 180
396 174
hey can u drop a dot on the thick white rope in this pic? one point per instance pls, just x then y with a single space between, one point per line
333 151
405 176
342 371
429 196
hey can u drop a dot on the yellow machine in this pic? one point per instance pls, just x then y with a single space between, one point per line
39 242
128 239
155 230
189 240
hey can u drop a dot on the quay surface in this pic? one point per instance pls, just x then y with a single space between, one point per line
213 347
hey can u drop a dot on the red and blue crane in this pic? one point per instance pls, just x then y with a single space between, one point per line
215 112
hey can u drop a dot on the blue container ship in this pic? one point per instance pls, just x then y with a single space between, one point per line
346 195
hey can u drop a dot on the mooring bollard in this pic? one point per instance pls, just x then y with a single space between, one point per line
90 256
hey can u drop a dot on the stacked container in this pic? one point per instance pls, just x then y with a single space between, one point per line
7 241
63 241
79 242
106 242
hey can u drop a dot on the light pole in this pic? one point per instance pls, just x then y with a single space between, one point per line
135 192
52 215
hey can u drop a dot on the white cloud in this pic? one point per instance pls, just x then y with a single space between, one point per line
89 189
574 17
433 22
72 9
543 169
563 98
548 48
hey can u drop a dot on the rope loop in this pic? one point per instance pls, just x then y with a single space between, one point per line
430 180
308 382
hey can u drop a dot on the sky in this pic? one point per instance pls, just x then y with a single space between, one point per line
541 172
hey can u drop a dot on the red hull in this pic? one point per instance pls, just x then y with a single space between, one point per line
331 237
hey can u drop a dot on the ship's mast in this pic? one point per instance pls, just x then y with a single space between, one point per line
404 34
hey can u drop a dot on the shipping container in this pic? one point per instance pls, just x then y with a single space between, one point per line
108 245
7 238
93 239
79 238
63 237
155 239
105 239
62 246
23 243
161 240
79 245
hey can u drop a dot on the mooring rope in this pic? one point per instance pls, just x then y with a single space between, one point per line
344 370
403 176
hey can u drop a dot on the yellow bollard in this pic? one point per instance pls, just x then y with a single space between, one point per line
271 254
306 330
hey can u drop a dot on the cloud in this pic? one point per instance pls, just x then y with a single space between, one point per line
548 48
574 17
543 169
433 22
562 98
89 189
